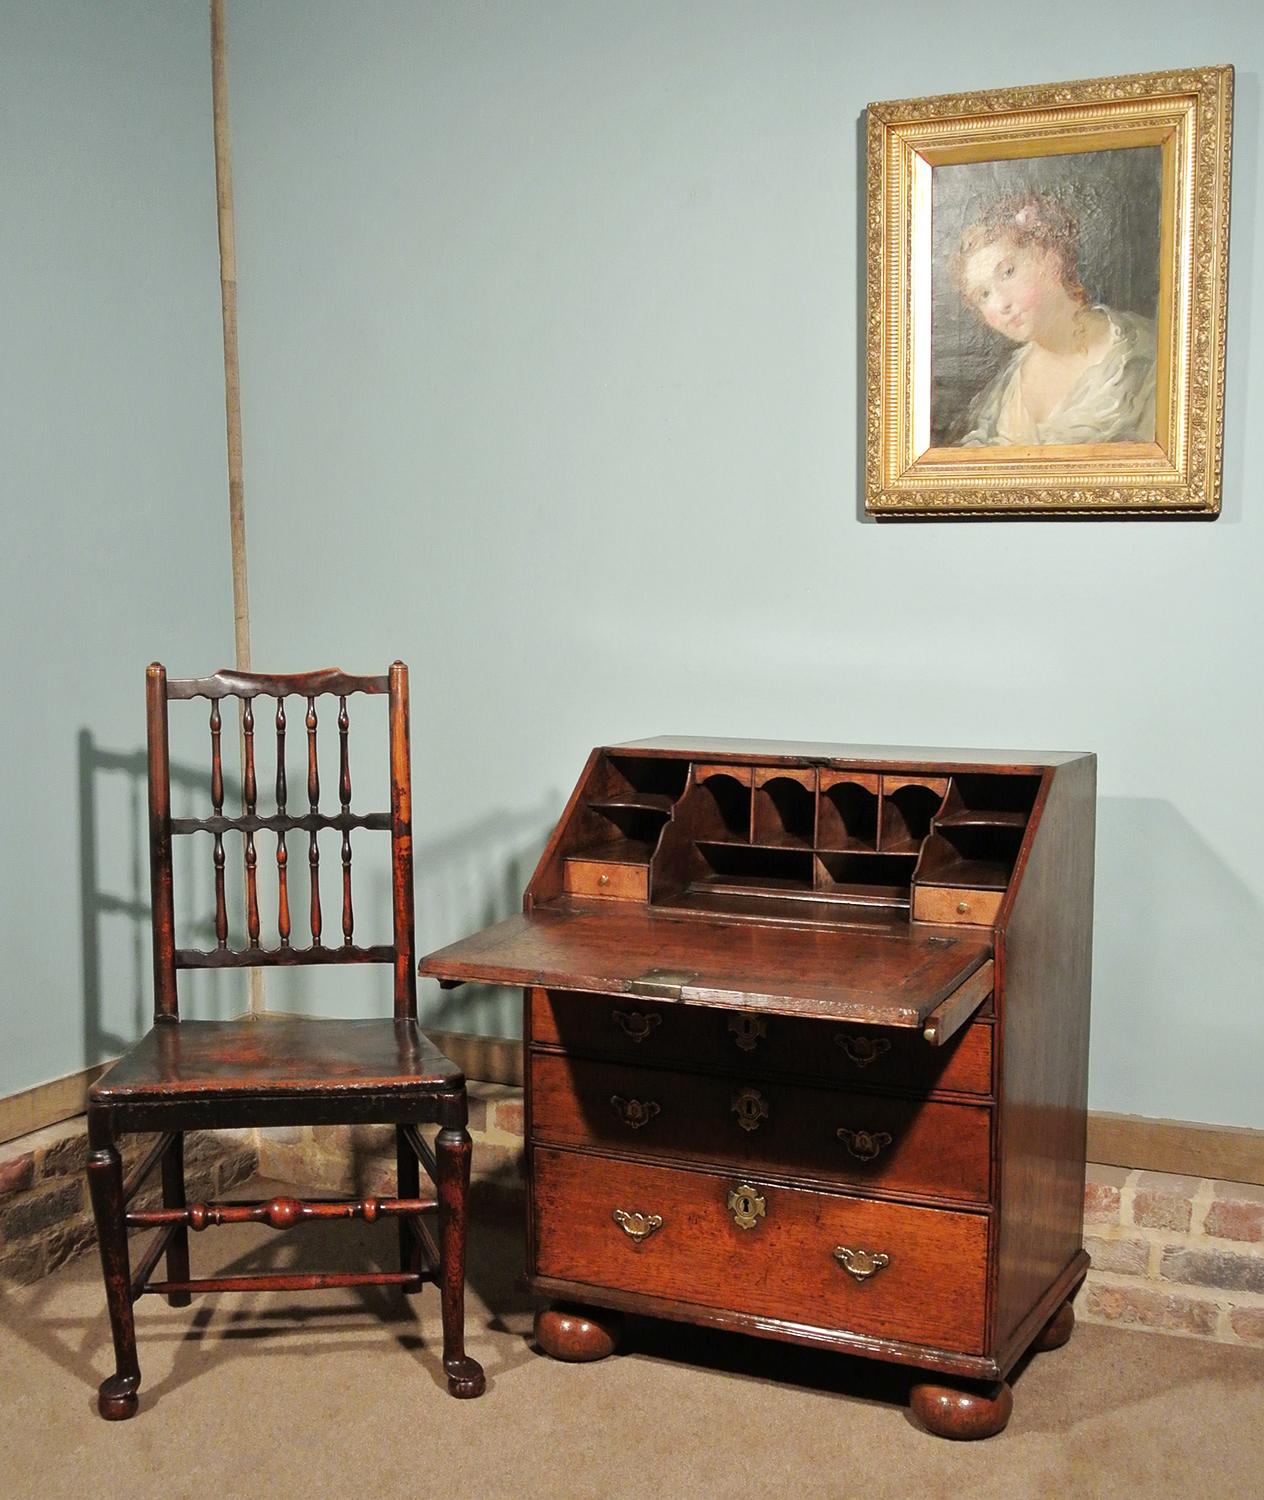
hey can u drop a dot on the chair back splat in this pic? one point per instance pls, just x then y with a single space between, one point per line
252 689
279 1070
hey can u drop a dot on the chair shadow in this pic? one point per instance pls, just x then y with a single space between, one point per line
81 1344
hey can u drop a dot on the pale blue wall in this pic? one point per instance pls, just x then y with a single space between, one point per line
115 544
551 319
550 326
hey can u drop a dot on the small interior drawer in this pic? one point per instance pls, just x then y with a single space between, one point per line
946 903
602 877
731 1241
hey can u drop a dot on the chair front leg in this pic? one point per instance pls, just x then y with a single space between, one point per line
452 1158
117 1399
173 1197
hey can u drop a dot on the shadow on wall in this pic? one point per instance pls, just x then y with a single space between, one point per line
465 880
114 905
1178 986
469 879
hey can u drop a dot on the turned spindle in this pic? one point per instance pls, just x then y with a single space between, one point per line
250 796
344 800
217 804
282 854
313 801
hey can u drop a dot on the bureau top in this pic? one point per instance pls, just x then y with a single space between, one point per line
880 757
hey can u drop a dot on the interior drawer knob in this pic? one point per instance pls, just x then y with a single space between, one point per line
634 1112
864 1145
862 1264
636 1025
603 879
963 907
637 1227
751 1108
747 1205
862 1050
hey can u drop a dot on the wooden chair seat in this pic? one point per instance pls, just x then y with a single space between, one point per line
266 1054
270 1070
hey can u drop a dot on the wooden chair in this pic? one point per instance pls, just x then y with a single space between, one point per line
260 1070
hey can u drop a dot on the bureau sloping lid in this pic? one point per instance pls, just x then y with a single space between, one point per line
888 977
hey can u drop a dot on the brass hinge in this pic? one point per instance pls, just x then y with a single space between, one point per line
662 984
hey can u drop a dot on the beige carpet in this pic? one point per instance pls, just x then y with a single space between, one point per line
342 1394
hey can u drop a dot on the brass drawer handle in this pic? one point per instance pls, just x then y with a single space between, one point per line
634 1112
862 1264
750 1107
603 880
864 1145
636 1025
862 1050
747 1031
747 1205
637 1227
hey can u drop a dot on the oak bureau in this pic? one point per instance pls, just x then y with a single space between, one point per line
806 1033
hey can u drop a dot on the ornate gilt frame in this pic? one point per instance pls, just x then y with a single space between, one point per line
1188 113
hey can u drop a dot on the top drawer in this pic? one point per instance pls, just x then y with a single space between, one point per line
649 1032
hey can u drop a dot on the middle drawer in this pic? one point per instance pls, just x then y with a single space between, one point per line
898 1145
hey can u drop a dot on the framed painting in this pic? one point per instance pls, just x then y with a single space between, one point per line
1047 272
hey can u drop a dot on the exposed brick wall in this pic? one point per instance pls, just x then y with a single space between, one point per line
45 1215
1180 1254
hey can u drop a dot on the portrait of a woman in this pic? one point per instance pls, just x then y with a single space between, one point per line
1080 372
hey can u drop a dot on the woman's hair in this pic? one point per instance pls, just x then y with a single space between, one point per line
1025 219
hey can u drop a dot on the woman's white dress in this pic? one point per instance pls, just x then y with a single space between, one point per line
1111 402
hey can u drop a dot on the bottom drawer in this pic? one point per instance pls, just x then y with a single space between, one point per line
790 1263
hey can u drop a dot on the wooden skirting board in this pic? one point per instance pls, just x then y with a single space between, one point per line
47 1103
1226 1152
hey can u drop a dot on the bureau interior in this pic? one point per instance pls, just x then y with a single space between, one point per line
831 839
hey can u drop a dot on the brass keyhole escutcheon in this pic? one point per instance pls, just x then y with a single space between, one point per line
747 1031
862 1050
750 1107
636 1226
864 1145
636 1025
862 1264
634 1112
747 1205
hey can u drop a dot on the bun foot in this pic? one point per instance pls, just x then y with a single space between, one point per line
117 1399
574 1333
962 1412
1056 1331
465 1379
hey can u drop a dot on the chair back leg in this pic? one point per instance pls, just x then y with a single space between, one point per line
409 1186
178 1244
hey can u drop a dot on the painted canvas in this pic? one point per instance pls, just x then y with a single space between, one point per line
1044 299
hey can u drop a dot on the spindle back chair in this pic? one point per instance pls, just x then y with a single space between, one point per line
259 1070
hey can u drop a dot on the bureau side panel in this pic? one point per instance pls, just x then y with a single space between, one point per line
1046 965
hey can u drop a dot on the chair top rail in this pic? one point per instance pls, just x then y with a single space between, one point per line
227 683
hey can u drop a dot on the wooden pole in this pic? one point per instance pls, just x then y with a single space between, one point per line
232 370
